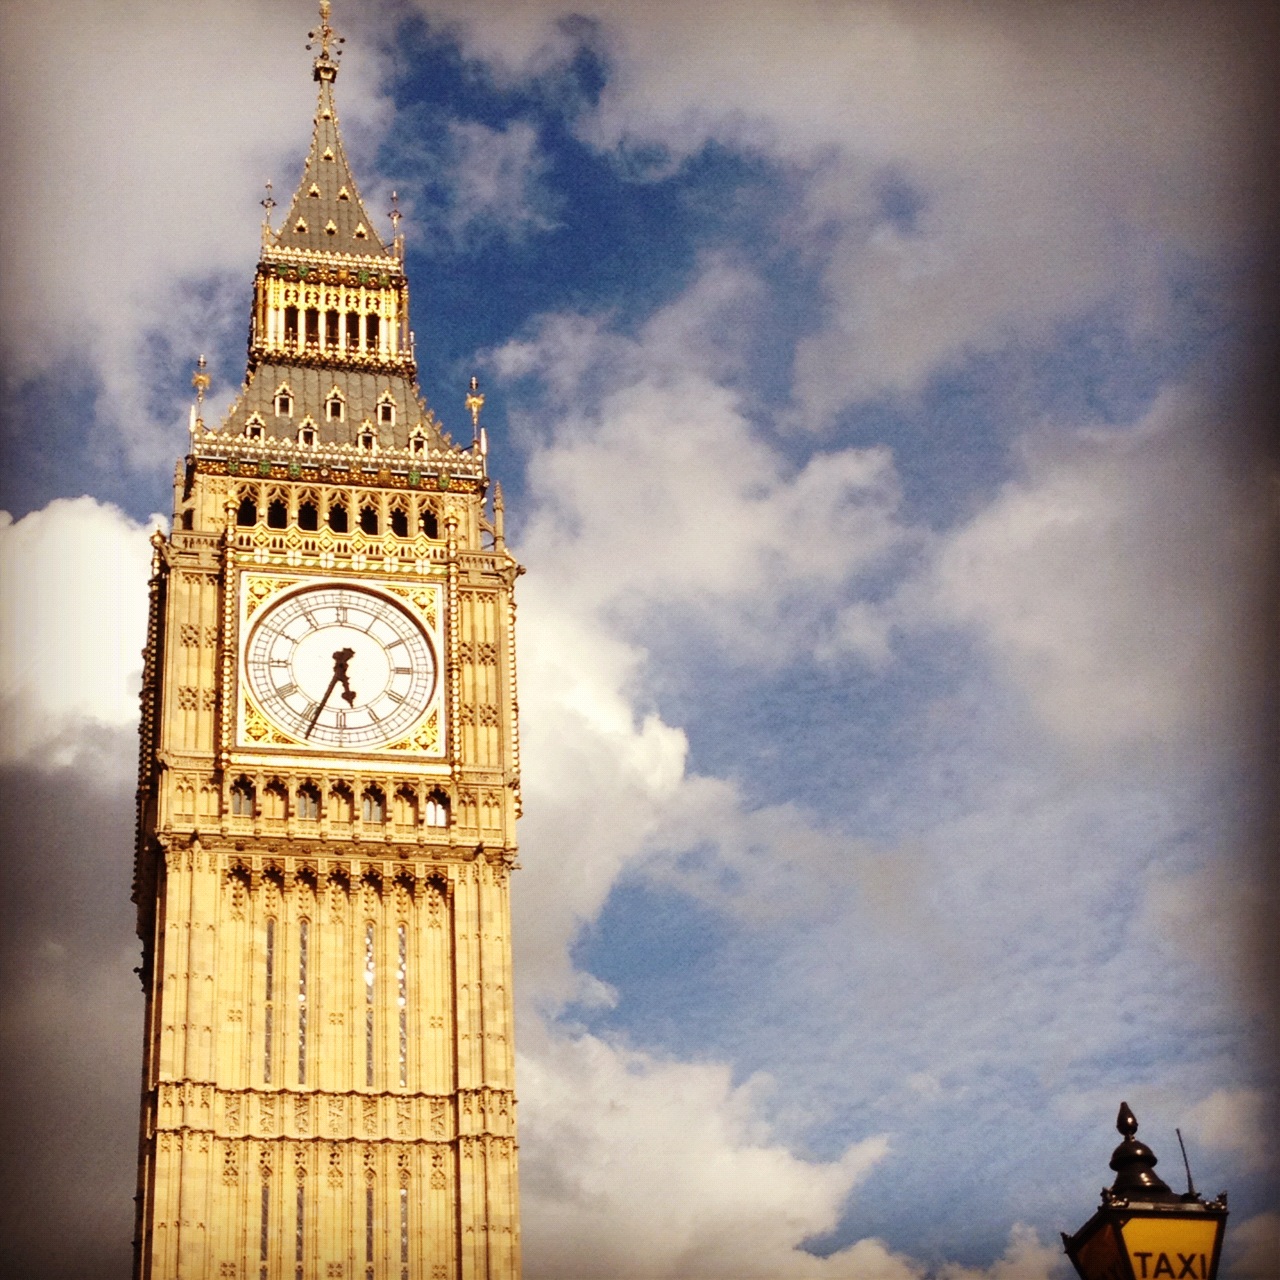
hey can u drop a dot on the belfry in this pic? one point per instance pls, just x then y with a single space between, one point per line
329 784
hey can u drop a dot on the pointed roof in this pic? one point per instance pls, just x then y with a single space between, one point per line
327 214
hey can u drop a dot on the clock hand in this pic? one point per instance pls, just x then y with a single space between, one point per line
340 660
320 707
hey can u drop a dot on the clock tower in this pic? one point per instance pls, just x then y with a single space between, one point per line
329 785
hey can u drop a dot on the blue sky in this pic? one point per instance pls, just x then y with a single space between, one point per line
867 385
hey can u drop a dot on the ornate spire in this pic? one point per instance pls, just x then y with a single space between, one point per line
327 214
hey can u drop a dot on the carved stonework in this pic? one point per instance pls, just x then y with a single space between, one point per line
343 979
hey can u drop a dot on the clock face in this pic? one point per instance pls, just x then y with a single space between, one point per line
338 666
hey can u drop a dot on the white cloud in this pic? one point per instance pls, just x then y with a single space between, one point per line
636 1166
1235 1121
1025 1258
658 499
495 180
1058 156
1255 1244
73 622
1112 580
659 510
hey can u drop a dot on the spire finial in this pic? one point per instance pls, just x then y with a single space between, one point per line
474 403
395 215
268 202
326 64
200 380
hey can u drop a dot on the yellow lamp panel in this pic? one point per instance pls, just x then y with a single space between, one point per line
1170 1248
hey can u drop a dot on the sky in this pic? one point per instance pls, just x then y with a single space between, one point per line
876 390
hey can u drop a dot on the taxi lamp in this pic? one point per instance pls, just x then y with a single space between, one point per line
1144 1231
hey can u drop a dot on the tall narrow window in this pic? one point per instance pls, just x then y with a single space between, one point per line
437 813
308 517
331 328
313 327
264 1237
404 1233
308 803
338 518
371 332
368 1003
353 330
277 514
303 939
242 799
270 1002
291 326
299 1229
369 520
247 511
400 523
368 1230
402 1001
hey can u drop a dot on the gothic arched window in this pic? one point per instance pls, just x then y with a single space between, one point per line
308 803
406 809
437 814
373 807
369 520
242 798
275 801
338 518
247 511
430 524
340 803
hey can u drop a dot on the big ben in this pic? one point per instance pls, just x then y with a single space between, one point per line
329 783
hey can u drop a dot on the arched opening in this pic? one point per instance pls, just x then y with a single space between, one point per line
313 327
369 520
437 811
308 803
371 332
247 511
373 809
291 325
242 798
353 330
406 810
430 523
275 801
277 514
399 523
338 518
331 328
340 803
308 517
